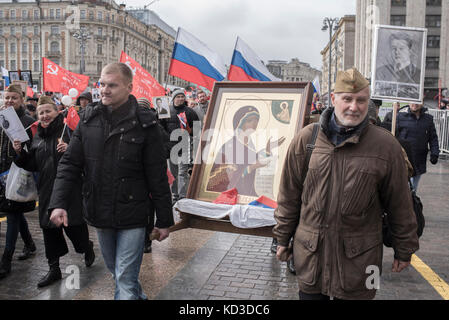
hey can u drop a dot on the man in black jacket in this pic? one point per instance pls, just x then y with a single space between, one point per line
118 148
180 128
417 128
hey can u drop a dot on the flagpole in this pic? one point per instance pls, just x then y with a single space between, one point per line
63 130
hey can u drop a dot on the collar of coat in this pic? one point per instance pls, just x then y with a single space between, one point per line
147 117
325 124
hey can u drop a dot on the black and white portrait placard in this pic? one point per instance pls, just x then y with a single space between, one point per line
398 68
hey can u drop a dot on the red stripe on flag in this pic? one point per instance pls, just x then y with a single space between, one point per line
190 73
237 74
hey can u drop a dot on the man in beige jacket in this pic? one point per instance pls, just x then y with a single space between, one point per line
356 172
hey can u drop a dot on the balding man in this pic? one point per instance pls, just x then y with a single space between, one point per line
118 148
356 172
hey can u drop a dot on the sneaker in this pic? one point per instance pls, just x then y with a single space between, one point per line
89 256
274 245
147 248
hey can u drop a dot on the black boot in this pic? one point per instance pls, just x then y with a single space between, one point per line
28 250
274 245
291 266
5 264
89 255
53 275
147 248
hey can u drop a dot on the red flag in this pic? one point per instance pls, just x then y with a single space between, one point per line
227 197
58 79
144 85
33 127
30 92
72 118
170 176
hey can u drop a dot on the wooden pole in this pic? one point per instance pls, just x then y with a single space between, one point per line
393 121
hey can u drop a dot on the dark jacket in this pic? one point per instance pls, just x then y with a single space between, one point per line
44 158
337 223
121 155
420 133
6 158
86 95
172 123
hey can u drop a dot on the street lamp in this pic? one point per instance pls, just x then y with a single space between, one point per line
332 25
82 35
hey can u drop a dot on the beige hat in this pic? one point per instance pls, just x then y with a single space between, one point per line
351 81
45 100
15 88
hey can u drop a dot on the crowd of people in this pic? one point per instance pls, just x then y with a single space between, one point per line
111 174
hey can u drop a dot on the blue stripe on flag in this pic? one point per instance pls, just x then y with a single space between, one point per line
183 54
239 61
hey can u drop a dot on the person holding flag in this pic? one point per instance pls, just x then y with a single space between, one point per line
47 148
181 117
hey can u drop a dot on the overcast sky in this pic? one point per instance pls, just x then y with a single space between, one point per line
274 29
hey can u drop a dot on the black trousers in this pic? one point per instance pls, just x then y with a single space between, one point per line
56 245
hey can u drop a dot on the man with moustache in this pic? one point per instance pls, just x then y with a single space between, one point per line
355 174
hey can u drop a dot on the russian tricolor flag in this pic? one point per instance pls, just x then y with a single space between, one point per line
193 61
246 65
264 202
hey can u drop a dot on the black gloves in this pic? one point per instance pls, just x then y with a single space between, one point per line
433 159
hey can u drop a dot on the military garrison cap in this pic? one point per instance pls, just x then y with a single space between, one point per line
15 88
351 81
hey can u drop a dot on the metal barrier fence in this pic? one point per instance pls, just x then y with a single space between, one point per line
441 120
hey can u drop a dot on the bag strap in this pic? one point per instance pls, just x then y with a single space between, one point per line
309 150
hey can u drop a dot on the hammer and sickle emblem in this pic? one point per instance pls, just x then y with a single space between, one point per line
51 70
128 63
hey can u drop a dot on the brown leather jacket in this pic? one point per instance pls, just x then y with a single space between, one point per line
347 189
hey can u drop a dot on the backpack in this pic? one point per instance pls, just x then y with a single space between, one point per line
417 208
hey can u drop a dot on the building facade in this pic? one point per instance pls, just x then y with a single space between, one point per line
342 54
430 14
294 70
30 30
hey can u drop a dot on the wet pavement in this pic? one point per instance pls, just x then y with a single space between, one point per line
205 265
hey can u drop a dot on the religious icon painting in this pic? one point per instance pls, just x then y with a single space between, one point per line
248 129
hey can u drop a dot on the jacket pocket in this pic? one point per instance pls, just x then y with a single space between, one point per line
359 253
306 256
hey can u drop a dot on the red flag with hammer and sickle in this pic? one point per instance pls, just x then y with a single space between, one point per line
58 79
72 118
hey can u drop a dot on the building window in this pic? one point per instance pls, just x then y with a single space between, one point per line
1 30
36 30
431 82
13 30
1 14
24 30
433 3
36 66
36 14
52 13
99 49
12 65
83 14
24 47
24 14
433 41
12 48
107 18
54 30
54 47
99 66
100 16
91 15
100 31
2 48
113 18
433 21
2 63
397 20
398 3
36 47
24 64
58 13
12 14
432 62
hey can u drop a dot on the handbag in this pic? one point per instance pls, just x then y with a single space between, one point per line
20 185
420 220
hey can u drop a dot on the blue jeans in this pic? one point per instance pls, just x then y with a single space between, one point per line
16 223
122 252
415 181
